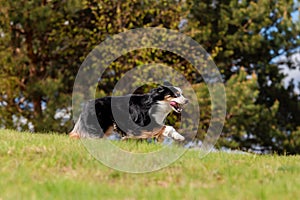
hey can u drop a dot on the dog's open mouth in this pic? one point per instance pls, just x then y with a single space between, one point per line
176 106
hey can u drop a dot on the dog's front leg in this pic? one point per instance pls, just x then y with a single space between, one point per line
172 133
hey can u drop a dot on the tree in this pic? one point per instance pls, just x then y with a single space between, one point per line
249 126
43 44
35 79
251 35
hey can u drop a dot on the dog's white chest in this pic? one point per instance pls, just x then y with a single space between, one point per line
160 111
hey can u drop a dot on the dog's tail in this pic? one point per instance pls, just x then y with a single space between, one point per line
87 124
78 130
81 129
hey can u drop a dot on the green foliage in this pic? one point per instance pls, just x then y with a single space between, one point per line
43 43
243 33
252 35
34 74
249 125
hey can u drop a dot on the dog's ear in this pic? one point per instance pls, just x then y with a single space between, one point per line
159 89
167 83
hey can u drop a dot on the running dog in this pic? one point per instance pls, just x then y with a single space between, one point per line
138 116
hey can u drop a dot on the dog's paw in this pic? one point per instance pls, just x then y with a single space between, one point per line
74 135
179 137
172 133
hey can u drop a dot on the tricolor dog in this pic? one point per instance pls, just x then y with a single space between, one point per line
137 116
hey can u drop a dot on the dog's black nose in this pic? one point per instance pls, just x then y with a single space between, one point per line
186 101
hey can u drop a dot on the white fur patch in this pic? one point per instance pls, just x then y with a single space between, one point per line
163 108
172 133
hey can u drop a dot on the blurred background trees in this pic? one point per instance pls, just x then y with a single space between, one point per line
43 43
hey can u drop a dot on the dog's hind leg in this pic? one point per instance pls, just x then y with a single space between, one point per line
108 131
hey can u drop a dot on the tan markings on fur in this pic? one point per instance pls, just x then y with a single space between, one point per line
168 98
157 134
74 135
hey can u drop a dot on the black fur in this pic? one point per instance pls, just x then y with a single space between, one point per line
97 120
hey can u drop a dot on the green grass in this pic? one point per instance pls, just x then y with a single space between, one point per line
51 166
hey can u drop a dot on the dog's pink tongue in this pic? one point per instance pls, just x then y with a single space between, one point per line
172 103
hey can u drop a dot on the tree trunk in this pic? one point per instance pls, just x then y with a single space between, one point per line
37 107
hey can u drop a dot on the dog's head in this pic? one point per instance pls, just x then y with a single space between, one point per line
171 96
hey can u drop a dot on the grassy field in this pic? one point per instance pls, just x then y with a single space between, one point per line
50 166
